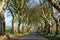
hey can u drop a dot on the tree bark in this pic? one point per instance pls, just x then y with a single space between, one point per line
3 6
19 21
14 26
57 25
54 5
2 24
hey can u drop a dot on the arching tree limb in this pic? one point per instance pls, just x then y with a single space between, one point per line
54 5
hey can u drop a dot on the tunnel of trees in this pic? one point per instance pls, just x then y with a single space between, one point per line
41 16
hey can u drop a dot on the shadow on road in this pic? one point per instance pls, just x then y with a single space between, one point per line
32 36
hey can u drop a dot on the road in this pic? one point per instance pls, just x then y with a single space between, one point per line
33 36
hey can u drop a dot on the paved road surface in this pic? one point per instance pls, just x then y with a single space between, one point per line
33 36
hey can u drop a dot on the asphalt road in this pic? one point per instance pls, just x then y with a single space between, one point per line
33 36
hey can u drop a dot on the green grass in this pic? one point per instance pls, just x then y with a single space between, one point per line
13 36
51 36
16 35
8 28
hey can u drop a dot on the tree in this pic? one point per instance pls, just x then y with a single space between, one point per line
16 7
53 3
3 7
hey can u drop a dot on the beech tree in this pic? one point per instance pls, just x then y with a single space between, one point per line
3 7
16 7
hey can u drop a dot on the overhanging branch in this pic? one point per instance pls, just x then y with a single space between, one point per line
54 5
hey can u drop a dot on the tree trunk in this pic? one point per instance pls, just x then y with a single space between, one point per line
14 25
2 25
19 21
57 25
20 24
49 28
3 6
2 20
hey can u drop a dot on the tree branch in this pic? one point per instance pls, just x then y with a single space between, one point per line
54 5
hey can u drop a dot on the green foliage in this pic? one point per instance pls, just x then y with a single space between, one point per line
50 36
46 24
0 0
8 29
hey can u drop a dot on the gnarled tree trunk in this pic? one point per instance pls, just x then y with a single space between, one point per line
2 22
2 25
14 25
3 6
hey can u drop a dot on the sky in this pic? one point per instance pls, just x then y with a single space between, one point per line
8 18
33 3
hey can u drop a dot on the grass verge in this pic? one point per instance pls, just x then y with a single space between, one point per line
50 36
17 35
